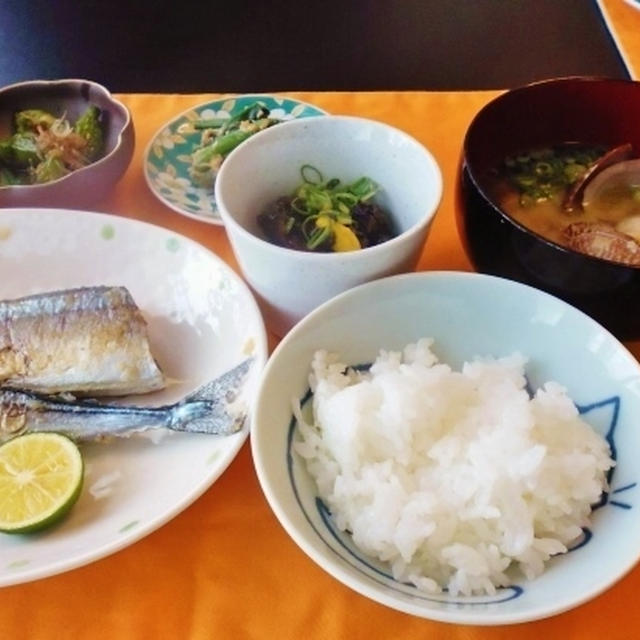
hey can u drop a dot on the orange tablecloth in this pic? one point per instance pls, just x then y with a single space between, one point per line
224 567
623 21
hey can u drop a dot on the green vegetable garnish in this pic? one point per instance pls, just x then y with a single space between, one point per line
50 169
318 236
251 113
225 144
331 199
7 177
220 136
88 126
210 123
31 119
327 215
44 147
24 151
544 173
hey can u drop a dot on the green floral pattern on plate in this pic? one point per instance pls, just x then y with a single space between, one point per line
168 156
128 526
107 232
173 244
18 564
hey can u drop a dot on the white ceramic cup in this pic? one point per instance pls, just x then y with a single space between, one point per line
288 283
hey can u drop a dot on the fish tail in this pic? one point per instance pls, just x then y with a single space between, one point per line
224 388
216 407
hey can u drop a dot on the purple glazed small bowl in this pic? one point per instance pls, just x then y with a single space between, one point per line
70 97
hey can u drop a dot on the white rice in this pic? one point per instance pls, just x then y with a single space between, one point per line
451 477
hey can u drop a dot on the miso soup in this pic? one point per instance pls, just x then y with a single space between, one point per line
533 188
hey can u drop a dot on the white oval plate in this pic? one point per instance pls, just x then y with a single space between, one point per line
202 320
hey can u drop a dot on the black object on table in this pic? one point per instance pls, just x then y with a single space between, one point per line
277 45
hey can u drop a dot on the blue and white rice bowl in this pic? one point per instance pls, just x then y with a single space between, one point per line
468 315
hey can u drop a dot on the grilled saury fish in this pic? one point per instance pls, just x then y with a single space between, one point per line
216 408
90 340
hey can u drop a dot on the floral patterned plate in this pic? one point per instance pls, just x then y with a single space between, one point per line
202 321
168 156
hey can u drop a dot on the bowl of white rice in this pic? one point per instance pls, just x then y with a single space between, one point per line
455 446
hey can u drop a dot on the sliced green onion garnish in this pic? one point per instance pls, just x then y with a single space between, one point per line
347 198
543 168
342 208
298 205
363 188
316 201
311 220
543 173
310 174
318 237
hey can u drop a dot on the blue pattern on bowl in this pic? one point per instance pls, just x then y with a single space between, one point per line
346 550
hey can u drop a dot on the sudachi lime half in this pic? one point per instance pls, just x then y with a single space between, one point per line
40 480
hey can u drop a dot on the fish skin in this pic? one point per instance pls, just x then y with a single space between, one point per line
89 340
216 408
